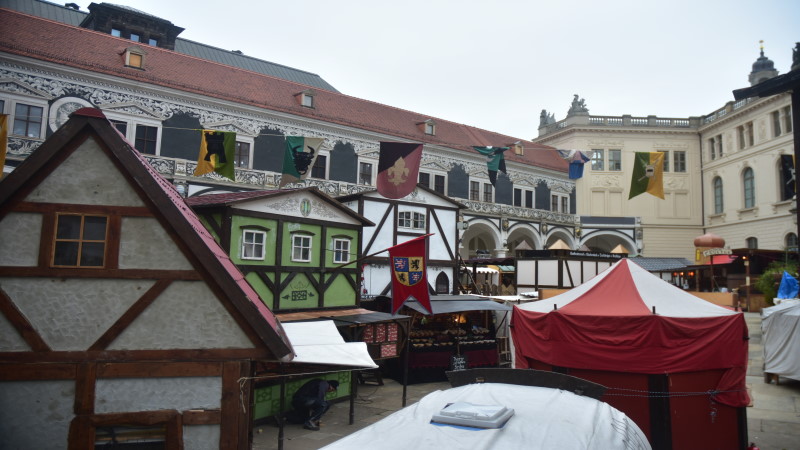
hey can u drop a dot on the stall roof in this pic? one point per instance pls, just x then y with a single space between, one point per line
320 343
443 304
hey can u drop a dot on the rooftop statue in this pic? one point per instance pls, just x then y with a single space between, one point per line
546 119
578 106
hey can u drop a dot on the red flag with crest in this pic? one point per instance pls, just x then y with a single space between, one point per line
398 168
408 274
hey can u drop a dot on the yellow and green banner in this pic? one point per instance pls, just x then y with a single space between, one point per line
648 174
217 153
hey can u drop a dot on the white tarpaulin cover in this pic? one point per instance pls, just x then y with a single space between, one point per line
544 418
320 343
782 342
784 303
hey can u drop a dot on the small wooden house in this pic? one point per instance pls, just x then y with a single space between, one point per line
121 319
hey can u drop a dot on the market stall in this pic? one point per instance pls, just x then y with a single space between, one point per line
460 333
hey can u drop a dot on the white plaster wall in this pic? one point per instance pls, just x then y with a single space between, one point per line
114 395
186 315
10 339
23 248
436 245
71 314
86 177
144 244
374 211
201 437
36 414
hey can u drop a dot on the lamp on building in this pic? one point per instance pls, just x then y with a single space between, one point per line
505 224
462 223
578 232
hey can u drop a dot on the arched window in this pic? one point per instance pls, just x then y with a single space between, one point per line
748 182
791 242
752 242
718 199
442 283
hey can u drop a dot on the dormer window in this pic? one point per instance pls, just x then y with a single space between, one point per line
429 127
518 148
135 37
116 32
134 57
306 98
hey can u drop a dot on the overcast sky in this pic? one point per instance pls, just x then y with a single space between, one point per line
497 64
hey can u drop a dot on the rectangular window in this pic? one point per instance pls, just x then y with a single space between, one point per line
307 100
529 199
425 179
740 137
720 152
438 183
80 240
419 221
679 163
554 203
404 219
776 123
750 135
487 193
120 125
146 138
320 166
365 173
253 244
28 120
615 160
565 205
341 251
666 160
243 155
152 42
301 248
787 119
474 191
517 197
135 37
712 149
116 32
597 159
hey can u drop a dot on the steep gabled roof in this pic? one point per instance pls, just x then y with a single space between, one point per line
216 266
92 51
232 198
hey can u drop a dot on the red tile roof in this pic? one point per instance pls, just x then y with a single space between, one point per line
85 49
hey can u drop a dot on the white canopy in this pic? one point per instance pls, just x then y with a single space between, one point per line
782 342
544 418
320 343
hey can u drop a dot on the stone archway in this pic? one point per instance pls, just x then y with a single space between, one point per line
607 240
480 239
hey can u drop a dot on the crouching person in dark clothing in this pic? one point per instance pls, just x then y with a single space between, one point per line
309 401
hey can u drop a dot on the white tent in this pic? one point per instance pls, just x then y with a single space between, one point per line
544 418
320 343
782 342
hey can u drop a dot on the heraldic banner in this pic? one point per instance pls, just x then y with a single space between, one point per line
408 274
398 168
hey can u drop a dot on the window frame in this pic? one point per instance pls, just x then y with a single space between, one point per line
250 142
301 247
135 57
80 240
133 122
475 191
488 193
412 220
424 179
9 108
559 201
320 163
749 187
443 179
679 161
790 241
245 243
597 160
615 160
751 242
361 173
337 251
719 195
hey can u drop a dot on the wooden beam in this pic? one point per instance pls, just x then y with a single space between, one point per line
222 354
42 207
85 382
159 369
231 410
21 324
130 315
31 372
202 417
83 272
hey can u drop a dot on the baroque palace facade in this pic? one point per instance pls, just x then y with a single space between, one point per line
160 90
722 174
